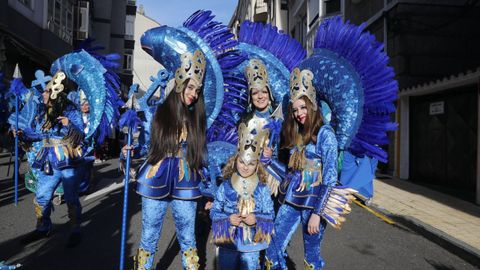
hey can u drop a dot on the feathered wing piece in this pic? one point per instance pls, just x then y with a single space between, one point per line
351 75
93 73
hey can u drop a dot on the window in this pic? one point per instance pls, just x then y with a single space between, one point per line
127 61
332 6
60 19
129 27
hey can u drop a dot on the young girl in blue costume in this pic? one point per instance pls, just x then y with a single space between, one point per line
59 159
170 175
312 166
242 213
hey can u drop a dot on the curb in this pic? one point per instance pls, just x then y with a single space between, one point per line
451 244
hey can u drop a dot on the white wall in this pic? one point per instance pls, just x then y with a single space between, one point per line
144 65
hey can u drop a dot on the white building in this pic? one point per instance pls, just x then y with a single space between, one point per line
144 65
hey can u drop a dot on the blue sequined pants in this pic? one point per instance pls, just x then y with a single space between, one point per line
287 220
231 259
46 186
153 213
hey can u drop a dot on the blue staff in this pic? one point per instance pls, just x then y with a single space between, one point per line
15 89
129 121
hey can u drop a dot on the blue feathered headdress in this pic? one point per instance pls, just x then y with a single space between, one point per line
279 52
165 44
351 75
93 73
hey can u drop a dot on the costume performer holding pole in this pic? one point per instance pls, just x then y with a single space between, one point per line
348 71
197 54
60 158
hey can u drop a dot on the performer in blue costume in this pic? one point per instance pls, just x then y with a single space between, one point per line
242 213
59 158
257 85
198 53
311 170
60 129
348 72
171 174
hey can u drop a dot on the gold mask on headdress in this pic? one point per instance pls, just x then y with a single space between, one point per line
257 75
192 67
301 85
252 138
55 85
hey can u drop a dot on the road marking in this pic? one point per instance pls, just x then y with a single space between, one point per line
375 213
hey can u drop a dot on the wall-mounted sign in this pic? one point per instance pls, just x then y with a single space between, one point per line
437 108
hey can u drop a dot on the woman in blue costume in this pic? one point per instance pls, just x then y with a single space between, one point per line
59 159
260 108
312 166
242 213
171 173
348 71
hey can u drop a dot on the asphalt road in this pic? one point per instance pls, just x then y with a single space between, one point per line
364 242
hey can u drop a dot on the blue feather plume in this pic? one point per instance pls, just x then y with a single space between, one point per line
222 42
367 57
129 119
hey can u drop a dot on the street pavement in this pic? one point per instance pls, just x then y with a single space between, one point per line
364 242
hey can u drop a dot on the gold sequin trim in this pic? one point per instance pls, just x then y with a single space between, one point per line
191 259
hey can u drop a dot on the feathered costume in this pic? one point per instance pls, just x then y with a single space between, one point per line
269 56
208 47
60 157
347 71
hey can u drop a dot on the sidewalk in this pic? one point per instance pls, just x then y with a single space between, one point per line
445 217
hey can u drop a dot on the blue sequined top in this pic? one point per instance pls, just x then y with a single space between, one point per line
228 201
56 152
305 188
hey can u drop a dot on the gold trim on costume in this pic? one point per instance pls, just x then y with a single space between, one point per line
141 259
191 259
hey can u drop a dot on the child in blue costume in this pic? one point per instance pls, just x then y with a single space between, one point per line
242 213
171 173
311 168
59 159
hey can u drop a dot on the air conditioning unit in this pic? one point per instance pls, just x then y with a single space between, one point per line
83 11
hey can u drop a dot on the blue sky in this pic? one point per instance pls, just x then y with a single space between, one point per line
174 12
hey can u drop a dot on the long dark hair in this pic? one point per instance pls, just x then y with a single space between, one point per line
56 108
309 130
167 126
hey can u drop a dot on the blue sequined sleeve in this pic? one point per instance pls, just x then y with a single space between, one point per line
220 219
31 135
266 205
326 148
217 213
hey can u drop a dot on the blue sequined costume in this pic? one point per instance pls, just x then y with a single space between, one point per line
58 161
171 181
241 245
319 173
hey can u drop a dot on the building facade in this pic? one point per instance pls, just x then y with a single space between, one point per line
434 47
34 33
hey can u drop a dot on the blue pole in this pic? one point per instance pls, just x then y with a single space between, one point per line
16 150
125 201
